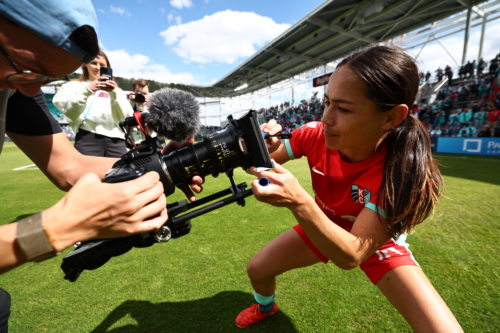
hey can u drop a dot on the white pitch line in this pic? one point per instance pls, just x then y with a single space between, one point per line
26 167
469 158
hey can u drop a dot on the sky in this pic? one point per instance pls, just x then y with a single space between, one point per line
190 41
200 41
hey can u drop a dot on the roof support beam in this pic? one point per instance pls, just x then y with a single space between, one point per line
339 29
297 56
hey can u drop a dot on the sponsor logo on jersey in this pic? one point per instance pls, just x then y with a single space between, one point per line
360 195
317 171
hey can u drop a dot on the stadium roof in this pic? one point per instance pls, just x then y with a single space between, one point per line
330 32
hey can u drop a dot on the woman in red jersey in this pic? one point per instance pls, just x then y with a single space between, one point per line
374 180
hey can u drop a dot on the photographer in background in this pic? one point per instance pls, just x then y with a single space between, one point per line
41 40
95 105
139 96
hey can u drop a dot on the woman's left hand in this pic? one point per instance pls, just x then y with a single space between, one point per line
283 190
271 128
106 84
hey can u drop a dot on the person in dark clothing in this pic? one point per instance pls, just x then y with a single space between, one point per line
485 132
427 76
449 73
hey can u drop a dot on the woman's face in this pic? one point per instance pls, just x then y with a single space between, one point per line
94 67
353 123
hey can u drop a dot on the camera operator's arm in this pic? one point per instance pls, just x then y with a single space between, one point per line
93 209
59 160
196 181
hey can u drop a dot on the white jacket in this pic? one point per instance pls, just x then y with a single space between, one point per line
97 112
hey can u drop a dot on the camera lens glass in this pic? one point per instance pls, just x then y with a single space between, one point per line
139 98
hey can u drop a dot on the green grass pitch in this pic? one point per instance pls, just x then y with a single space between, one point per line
198 283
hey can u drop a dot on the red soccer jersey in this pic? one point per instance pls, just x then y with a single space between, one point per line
493 116
341 189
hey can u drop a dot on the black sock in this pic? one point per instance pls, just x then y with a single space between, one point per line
267 307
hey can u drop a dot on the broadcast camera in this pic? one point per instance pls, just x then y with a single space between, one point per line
239 144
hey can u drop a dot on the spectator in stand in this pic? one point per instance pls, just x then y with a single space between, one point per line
467 114
467 131
435 132
474 68
469 69
447 105
439 74
449 73
494 64
462 92
496 132
479 118
95 105
484 89
446 131
473 90
461 72
481 66
454 122
426 125
493 119
485 132
439 119
427 76
453 95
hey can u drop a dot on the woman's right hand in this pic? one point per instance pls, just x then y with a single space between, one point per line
92 209
102 83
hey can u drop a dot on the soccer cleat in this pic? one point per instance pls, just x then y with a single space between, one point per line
253 315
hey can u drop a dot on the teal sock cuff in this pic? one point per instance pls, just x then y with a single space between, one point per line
263 299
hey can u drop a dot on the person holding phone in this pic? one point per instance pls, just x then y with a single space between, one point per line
94 105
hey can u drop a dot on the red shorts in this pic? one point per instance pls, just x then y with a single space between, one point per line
389 256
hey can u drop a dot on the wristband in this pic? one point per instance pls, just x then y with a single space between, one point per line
32 239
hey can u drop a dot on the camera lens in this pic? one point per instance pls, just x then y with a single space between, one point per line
217 153
139 98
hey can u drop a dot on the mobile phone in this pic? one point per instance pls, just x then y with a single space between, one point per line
106 72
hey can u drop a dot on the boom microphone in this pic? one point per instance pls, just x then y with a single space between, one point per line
173 114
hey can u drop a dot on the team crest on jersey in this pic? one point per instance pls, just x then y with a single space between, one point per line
360 195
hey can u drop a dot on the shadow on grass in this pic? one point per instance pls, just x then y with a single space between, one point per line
214 314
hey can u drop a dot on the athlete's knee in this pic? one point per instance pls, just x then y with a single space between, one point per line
256 268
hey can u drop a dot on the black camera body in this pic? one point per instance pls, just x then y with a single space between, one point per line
106 72
139 98
239 144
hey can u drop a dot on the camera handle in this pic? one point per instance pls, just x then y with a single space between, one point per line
238 195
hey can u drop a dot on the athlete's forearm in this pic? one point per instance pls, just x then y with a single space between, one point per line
345 249
11 256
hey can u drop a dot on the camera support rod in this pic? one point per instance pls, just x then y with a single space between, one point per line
238 195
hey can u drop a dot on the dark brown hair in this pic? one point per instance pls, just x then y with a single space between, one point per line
412 182
85 72
140 82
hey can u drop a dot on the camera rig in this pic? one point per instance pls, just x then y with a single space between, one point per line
239 144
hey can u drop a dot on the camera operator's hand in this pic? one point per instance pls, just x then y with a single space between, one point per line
196 181
102 83
93 209
272 128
